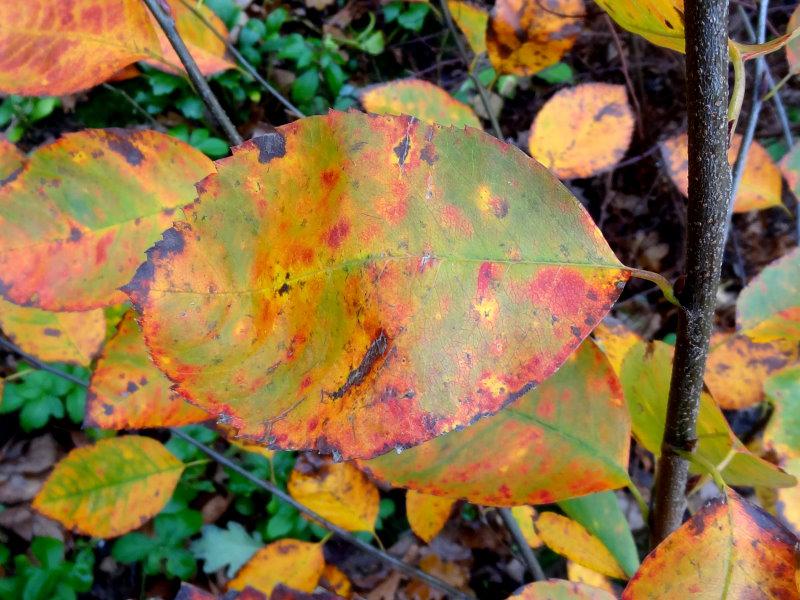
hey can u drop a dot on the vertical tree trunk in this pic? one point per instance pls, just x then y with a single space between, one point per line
709 188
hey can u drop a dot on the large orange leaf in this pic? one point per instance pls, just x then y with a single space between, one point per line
473 21
127 391
110 488
79 216
338 492
427 514
582 131
558 589
773 292
357 283
11 159
524 37
55 47
419 99
729 549
293 563
73 337
761 181
569 437
658 21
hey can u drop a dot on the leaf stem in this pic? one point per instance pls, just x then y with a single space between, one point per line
167 24
530 558
661 281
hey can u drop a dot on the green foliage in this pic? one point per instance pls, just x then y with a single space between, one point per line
47 574
17 114
40 396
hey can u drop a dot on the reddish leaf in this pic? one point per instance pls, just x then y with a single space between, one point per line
568 437
11 159
127 391
775 290
729 549
79 216
350 284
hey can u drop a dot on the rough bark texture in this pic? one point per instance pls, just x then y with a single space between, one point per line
709 188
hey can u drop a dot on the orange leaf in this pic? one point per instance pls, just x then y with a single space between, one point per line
761 181
78 218
473 21
11 159
338 492
127 391
582 131
557 589
302 323
53 48
615 340
110 488
528 453
525 37
419 99
72 337
335 581
729 549
427 514
570 539
525 516
293 563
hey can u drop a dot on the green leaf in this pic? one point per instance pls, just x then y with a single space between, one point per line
305 86
37 412
191 107
181 564
76 405
214 147
48 551
174 527
133 547
374 44
163 83
413 18
557 74
229 548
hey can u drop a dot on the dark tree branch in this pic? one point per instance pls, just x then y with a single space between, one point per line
530 558
167 24
709 191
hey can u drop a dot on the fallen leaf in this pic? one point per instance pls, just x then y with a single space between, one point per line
110 488
427 514
793 46
774 290
290 562
525 516
472 20
27 523
760 187
420 99
529 453
228 548
658 21
570 539
334 580
557 589
338 492
583 130
127 391
50 48
783 326
453 262
525 37
79 217
729 549
457 575
11 158
782 433
580 574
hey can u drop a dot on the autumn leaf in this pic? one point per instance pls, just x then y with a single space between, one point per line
570 539
531 452
580 574
658 21
385 300
524 516
788 501
615 340
419 99
782 433
427 514
525 37
774 290
583 130
50 48
110 488
77 219
127 391
71 337
645 379
11 159
729 549
293 563
760 187
338 492
793 47
473 21
337 582
557 589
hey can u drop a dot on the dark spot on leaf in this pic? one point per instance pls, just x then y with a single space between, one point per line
401 150
75 234
576 331
284 289
108 409
271 145
429 155
11 177
614 110
119 142
49 331
377 348
591 295
132 387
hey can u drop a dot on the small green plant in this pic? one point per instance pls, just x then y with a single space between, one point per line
40 396
17 114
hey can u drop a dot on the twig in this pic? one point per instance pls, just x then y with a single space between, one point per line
637 107
136 106
530 558
465 57
167 24
709 192
265 485
245 64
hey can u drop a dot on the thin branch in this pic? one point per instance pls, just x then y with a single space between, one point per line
167 24
487 106
136 106
709 192
244 63
267 486
530 558
618 44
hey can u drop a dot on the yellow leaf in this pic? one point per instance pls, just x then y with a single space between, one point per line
472 20
615 339
570 539
335 581
580 574
337 491
524 516
658 21
427 514
110 488
293 563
